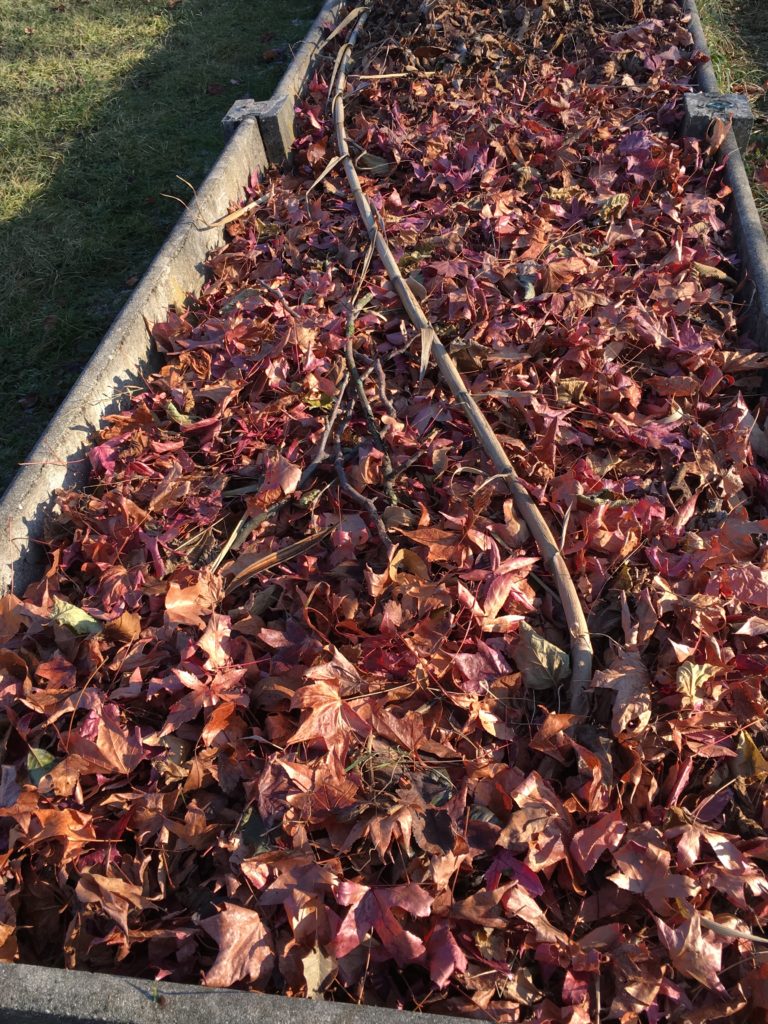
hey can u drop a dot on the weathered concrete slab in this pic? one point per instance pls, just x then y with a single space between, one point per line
45 995
703 108
59 459
276 116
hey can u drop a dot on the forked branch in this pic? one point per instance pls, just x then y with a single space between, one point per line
581 645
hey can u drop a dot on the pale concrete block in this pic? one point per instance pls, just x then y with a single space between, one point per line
702 108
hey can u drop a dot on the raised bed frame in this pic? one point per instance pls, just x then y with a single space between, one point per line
750 236
261 134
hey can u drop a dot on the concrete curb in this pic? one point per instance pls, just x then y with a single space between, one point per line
276 116
59 458
48 995
748 228
261 133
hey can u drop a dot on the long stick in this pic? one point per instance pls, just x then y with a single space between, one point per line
581 645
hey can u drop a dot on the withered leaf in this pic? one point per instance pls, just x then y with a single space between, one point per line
245 947
629 680
65 614
543 665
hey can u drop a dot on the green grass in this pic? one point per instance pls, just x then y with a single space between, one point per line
103 103
737 32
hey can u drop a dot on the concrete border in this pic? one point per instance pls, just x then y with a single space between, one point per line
276 116
59 457
748 228
49 995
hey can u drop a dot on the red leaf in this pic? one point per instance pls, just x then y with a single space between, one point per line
372 910
588 845
330 718
695 955
444 954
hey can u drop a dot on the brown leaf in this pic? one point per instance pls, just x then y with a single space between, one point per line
628 678
693 954
252 563
245 947
589 844
124 628
192 597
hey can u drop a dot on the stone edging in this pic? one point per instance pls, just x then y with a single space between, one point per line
59 459
49 995
748 228
276 115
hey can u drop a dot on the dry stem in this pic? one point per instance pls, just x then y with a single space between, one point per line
581 645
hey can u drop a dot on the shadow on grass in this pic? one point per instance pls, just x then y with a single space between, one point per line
72 255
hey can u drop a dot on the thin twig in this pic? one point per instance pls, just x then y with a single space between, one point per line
361 499
368 411
246 524
407 465
319 456
422 73
382 381
228 218
581 645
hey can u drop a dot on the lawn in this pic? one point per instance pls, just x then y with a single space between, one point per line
737 31
104 106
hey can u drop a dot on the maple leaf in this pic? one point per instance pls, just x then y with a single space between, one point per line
191 598
644 867
695 955
372 909
589 844
104 744
519 903
628 678
330 720
444 954
318 969
540 827
245 947
505 585
327 791
543 665
281 475
746 582
112 895
9 947
222 725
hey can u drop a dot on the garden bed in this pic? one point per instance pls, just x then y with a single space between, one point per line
289 708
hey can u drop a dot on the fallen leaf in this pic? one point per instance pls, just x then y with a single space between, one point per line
245 947
543 665
65 614
629 680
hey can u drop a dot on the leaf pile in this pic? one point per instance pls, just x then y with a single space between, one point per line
287 709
